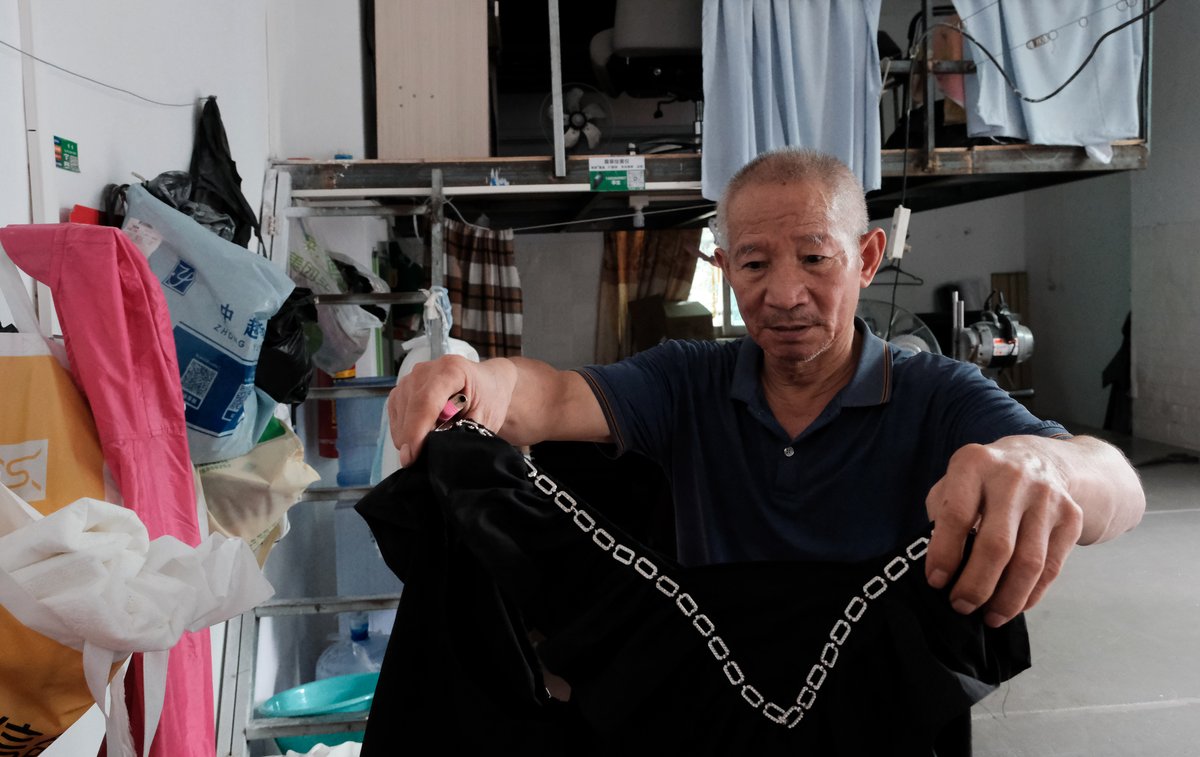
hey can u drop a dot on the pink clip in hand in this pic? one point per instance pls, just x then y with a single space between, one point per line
455 408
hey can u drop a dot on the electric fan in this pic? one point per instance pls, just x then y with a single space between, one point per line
898 326
585 111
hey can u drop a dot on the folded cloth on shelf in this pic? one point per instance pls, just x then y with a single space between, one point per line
753 658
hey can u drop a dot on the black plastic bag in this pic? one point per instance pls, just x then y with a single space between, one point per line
216 182
172 188
285 367
357 283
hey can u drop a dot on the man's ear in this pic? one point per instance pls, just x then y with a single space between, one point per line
871 246
722 261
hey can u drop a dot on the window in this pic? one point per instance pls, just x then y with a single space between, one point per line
710 289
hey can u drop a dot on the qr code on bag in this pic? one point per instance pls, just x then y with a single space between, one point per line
197 379
235 406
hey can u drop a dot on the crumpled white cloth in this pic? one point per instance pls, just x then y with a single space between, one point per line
88 576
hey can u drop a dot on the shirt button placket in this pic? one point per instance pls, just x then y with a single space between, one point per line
788 451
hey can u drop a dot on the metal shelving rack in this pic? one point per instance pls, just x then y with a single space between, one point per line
237 724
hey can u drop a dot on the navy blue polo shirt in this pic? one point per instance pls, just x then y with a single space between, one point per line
850 487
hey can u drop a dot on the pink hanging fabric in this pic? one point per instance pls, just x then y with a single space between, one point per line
122 353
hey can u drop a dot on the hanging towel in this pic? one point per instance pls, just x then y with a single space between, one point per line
122 353
1040 45
485 288
790 73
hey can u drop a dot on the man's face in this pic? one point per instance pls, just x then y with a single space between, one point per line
795 283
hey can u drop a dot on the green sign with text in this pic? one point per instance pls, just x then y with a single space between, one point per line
66 154
617 173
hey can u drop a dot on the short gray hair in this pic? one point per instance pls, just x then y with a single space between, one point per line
847 205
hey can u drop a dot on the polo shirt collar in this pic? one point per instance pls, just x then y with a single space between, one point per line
870 385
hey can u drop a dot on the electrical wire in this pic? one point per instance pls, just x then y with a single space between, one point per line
556 224
903 192
707 205
913 50
1008 80
45 62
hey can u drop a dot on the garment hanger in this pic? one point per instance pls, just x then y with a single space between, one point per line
902 278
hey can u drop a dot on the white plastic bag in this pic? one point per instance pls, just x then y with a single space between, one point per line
249 495
419 350
220 297
345 329
89 577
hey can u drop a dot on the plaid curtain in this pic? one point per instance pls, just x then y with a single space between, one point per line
639 264
485 290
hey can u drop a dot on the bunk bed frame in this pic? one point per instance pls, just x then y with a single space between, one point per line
555 188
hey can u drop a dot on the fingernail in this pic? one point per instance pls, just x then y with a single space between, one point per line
405 455
938 578
995 619
963 606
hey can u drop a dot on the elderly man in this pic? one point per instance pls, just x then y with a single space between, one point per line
811 438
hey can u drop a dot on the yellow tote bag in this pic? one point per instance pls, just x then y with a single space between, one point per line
50 456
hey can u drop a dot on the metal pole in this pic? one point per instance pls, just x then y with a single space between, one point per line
957 316
1147 70
560 156
930 92
437 248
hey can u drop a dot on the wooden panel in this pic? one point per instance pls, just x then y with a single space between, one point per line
1015 287
431 74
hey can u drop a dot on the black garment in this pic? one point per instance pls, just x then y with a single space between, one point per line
216 182
708 660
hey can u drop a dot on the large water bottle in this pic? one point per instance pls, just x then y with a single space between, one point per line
361 653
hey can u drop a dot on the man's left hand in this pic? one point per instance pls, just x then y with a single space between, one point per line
1016 497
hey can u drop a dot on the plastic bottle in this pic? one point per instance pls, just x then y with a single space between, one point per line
361 653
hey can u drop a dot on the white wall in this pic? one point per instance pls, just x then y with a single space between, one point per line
14 182
1166 225
170 50
1078 251
560 284
316 88
966 242
14 171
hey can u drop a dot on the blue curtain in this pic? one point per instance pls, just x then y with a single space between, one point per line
1040 45
800 73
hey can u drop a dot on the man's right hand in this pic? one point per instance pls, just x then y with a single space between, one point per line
524 401
414 404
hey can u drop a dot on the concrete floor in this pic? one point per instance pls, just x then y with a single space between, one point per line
1116 641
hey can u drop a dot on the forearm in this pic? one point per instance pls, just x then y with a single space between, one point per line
548 404
1102 483
1030 499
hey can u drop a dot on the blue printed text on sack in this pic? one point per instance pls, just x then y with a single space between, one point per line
215 382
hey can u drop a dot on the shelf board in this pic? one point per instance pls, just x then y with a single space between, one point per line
534 196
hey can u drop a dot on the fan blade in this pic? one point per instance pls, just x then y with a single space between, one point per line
571 137
593 135
571 99
593 112
550 111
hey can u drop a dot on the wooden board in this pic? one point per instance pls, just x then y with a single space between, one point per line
431 74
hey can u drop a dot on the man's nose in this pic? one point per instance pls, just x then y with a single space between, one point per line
787 287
